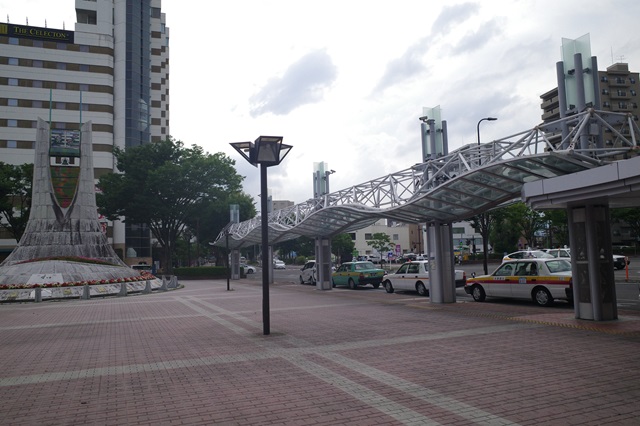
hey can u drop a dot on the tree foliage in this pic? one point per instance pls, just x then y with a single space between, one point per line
381 242
342 246
165 185
15 197
630 216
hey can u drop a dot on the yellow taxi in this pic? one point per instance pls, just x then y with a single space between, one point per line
540 280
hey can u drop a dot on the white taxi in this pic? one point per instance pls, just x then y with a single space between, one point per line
414 276
540 280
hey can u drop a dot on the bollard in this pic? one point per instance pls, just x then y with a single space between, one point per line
173 282
38 296
123 289
147 288
86 293
163 287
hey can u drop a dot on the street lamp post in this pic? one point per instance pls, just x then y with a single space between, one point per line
267 151
484 222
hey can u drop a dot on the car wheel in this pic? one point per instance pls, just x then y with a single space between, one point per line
542 296
376 285
352 284
333 283
301 280
388 286
313 280
478 293
422 290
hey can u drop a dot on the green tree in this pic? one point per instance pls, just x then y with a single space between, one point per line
207 223
527 220
630 216
483 224
381 242
15 197
163 185
558 227
342 246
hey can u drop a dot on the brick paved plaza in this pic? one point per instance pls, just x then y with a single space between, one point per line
197 356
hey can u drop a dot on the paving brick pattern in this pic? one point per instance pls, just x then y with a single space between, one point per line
197 356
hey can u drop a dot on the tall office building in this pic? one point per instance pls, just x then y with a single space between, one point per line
112 70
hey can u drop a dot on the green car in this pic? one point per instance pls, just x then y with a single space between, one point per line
354 274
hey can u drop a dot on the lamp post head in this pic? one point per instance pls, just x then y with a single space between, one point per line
266 150
491 118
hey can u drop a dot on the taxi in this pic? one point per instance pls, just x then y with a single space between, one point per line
353 274
542 280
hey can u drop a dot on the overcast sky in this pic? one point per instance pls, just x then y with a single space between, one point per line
344 82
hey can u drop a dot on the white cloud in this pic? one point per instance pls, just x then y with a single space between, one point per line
345 81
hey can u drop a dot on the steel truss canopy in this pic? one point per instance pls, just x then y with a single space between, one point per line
457 186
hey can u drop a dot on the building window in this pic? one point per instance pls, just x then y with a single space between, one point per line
84 48
84 67
12 102
38 43
633 92
622 93
395 237
12 81
61 85
13 61
61 105
367 236
36 104
622 105
37 63
606 104
61 66
12 144
632 80
605 91
12 123
14 41
604 78
36 84
84 87
61 46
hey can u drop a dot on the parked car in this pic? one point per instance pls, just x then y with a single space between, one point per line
279 264
619 262
414 276
561 252
539 279
527 254
308 273
248 269
354 274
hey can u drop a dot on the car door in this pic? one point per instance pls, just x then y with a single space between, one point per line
340 276
499 284
408 280
397 278
527 277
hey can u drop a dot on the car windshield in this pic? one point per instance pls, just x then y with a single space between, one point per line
364 265
559 265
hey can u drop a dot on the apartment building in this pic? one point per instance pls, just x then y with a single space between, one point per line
112 70
617 89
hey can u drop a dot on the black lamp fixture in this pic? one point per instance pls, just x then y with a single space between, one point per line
478 126
267 151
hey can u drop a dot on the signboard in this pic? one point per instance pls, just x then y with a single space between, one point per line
64 143
36 33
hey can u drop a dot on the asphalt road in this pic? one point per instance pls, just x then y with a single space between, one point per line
627 282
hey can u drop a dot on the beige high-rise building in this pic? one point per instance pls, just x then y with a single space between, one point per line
112 70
